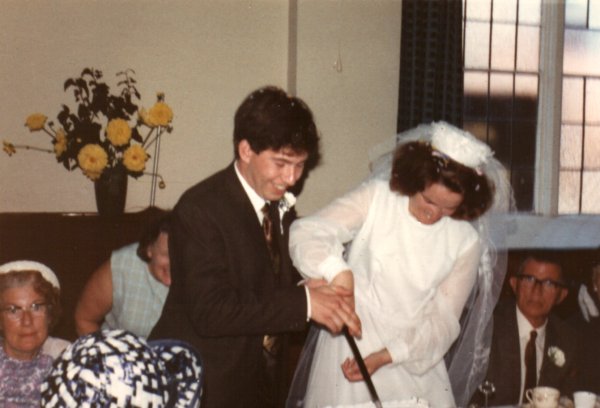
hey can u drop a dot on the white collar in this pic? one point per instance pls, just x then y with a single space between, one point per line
525 327
257 201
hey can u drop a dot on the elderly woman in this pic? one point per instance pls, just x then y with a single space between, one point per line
29 300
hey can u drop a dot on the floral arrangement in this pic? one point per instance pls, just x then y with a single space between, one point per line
557 356
104 132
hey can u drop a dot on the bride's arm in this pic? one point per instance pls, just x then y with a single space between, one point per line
421 347
317 241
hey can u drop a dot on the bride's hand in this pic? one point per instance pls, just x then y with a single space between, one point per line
345 279
373 362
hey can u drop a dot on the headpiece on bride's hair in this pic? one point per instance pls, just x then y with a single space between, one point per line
459 145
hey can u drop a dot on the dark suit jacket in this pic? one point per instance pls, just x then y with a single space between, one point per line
224 295
504 369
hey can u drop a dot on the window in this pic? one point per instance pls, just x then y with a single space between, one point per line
540 119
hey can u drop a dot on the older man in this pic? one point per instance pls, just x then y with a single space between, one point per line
531 346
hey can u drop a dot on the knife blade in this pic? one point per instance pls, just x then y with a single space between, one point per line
362 367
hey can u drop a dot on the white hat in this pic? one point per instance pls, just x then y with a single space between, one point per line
17 266
459 145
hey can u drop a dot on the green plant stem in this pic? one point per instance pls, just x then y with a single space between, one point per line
27 147
159 132
147 137
53 136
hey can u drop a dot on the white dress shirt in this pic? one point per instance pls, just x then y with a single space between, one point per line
525 329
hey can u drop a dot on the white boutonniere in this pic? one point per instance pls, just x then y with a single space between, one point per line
557 356
287 202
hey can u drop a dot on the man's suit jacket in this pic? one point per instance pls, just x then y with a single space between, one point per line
225 295
504 369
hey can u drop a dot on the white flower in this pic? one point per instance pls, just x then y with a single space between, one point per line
287 202
557 356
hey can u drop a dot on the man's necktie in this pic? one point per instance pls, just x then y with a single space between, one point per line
271 227
530 364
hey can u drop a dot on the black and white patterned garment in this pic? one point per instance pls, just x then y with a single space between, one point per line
115 368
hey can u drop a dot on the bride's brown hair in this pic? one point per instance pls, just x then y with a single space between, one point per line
416 165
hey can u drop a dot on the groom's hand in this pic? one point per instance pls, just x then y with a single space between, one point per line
331 307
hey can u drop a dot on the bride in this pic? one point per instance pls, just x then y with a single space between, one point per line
406 244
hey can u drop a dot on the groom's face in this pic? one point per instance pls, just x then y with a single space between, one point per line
271 172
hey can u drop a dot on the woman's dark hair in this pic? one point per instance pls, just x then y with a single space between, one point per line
41 286
151 233
416 165
271 119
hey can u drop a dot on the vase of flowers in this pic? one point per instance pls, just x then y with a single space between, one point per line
103 135
111 191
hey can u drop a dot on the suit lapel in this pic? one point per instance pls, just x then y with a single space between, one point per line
550 373
248 216
511 343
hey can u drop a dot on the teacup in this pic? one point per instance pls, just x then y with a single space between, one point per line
584 399
543 397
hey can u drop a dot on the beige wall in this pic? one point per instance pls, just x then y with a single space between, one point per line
206 56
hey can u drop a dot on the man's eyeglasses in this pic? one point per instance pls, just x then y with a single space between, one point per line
546 284
16 312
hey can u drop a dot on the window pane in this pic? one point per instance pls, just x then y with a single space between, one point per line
572 100
570 148
528 48
581 52
568 192
477 45
592 148
501 84
476 83
526 85
594 22
530 12
478 9
592 107
591 192
505 11
575 13
503 45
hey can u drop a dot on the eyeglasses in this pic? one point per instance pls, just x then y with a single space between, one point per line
546 284
16 312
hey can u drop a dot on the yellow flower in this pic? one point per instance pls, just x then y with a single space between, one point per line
118 132
92 159
160 114
144 118
9 148
60 142
36 121
135 158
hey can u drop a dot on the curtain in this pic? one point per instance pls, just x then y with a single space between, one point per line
431 65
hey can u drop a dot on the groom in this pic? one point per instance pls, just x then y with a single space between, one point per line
227 294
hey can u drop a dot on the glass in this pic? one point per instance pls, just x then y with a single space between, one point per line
503 44
16 312
477 44
546 284
576 13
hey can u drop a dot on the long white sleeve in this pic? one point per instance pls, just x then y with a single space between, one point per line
317 241
422 346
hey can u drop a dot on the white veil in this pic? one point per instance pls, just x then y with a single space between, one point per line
467 359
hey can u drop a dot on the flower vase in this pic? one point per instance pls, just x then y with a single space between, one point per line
111 191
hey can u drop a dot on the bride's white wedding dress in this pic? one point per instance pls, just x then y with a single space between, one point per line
411 283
